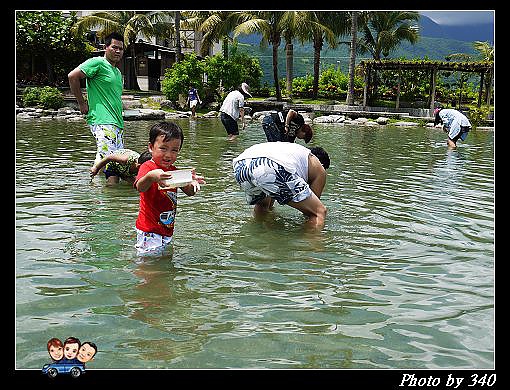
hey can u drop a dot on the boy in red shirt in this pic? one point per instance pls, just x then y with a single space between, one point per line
156 217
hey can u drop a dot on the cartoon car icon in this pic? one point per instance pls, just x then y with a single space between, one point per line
74 369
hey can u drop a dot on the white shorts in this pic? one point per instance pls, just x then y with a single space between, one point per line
193 103
151 244
109 138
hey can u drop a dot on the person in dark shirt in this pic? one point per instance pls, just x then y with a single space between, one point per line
286 126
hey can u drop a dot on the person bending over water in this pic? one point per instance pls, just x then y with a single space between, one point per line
286 172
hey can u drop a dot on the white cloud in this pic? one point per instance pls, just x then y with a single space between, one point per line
460 17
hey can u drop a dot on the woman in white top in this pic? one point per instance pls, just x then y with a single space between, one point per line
286 172
233 109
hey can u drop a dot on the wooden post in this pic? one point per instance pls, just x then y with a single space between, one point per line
479 103
489 88
433 81
397 103
460 91
365 88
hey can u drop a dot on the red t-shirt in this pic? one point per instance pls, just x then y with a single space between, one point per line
157 208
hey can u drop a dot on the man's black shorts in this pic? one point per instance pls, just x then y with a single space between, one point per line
230 124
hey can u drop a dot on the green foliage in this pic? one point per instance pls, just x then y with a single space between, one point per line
30 96
478 116
44 41
48 97
181 75
332 84
51 98
230 73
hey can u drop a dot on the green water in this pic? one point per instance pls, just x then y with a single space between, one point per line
401 276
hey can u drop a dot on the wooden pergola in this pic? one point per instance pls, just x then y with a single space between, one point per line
483 68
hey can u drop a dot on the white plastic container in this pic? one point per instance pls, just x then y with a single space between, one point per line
180 178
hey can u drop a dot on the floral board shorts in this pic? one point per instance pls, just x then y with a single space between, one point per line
108 139
151 244
260 177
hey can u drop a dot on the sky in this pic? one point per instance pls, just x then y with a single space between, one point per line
455 17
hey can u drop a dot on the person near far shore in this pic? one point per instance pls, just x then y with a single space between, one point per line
454 122
193 99
232 109
286 172
103 106
286 126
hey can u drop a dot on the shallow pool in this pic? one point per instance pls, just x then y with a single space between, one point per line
401 276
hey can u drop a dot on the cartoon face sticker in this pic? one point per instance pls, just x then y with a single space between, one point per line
86 352
55 349
71 347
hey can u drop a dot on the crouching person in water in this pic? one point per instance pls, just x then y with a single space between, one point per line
286 126
454 122
158 206
288 172
120 164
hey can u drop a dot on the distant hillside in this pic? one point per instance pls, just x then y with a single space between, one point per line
431 48
436 42
467 33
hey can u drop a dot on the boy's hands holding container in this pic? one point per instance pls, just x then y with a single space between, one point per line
186 179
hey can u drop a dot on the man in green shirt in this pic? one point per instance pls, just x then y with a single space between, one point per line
103 107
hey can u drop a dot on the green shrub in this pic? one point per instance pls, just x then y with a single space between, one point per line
230 73
48 97
51 98
181 75
30 96
478 116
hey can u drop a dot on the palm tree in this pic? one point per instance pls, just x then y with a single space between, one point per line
178 49
288 35
324 26
215 26
271 24
352 57
128 23
295 27
384 31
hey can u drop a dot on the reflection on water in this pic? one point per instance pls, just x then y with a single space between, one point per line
401 276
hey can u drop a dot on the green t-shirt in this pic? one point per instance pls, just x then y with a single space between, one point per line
104 92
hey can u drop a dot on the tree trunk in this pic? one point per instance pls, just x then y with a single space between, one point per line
290 67
352 58
275 72
178 49
317 46
224 48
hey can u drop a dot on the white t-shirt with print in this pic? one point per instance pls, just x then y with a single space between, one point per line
293 157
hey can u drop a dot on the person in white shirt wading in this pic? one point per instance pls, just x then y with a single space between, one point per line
232 109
